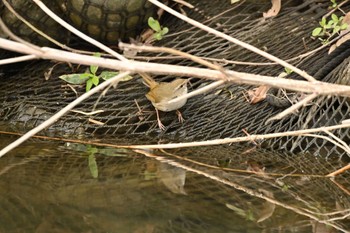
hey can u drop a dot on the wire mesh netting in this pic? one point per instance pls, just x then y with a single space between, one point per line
216 189
28 99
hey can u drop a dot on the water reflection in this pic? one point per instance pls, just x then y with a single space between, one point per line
48 187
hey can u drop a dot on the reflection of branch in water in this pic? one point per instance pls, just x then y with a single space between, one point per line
264 177
340 186
249 191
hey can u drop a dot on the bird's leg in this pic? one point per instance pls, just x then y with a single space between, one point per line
179 116
161 126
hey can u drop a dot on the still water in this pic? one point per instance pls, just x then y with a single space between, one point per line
64 187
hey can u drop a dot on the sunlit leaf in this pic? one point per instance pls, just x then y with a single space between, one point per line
344 26
165 30
157 36
88 85
154 24
75 79
334 17
93 69
95 80
317 31
105 75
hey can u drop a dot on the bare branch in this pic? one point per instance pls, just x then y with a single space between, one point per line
321 88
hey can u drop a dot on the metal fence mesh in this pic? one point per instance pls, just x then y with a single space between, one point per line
28 99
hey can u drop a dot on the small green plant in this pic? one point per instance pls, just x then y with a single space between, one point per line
159 31
334 3
329 29
90 77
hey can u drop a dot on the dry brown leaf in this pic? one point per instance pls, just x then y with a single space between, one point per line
257 94
274 10
338 43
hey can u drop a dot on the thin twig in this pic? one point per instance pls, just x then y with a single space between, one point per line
17 59
344 144
339 171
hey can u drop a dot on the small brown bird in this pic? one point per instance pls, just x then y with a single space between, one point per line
161 93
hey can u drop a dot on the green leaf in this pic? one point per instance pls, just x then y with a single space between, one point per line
317 31
164 31
93 69
344 26
97 54
323 22
86 75
95 80
105 75
75 79
88 85
336 29
154 24
334 3
334 17
157 36
329 24
287 70
93 165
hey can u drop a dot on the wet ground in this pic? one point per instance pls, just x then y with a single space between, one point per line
63 187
